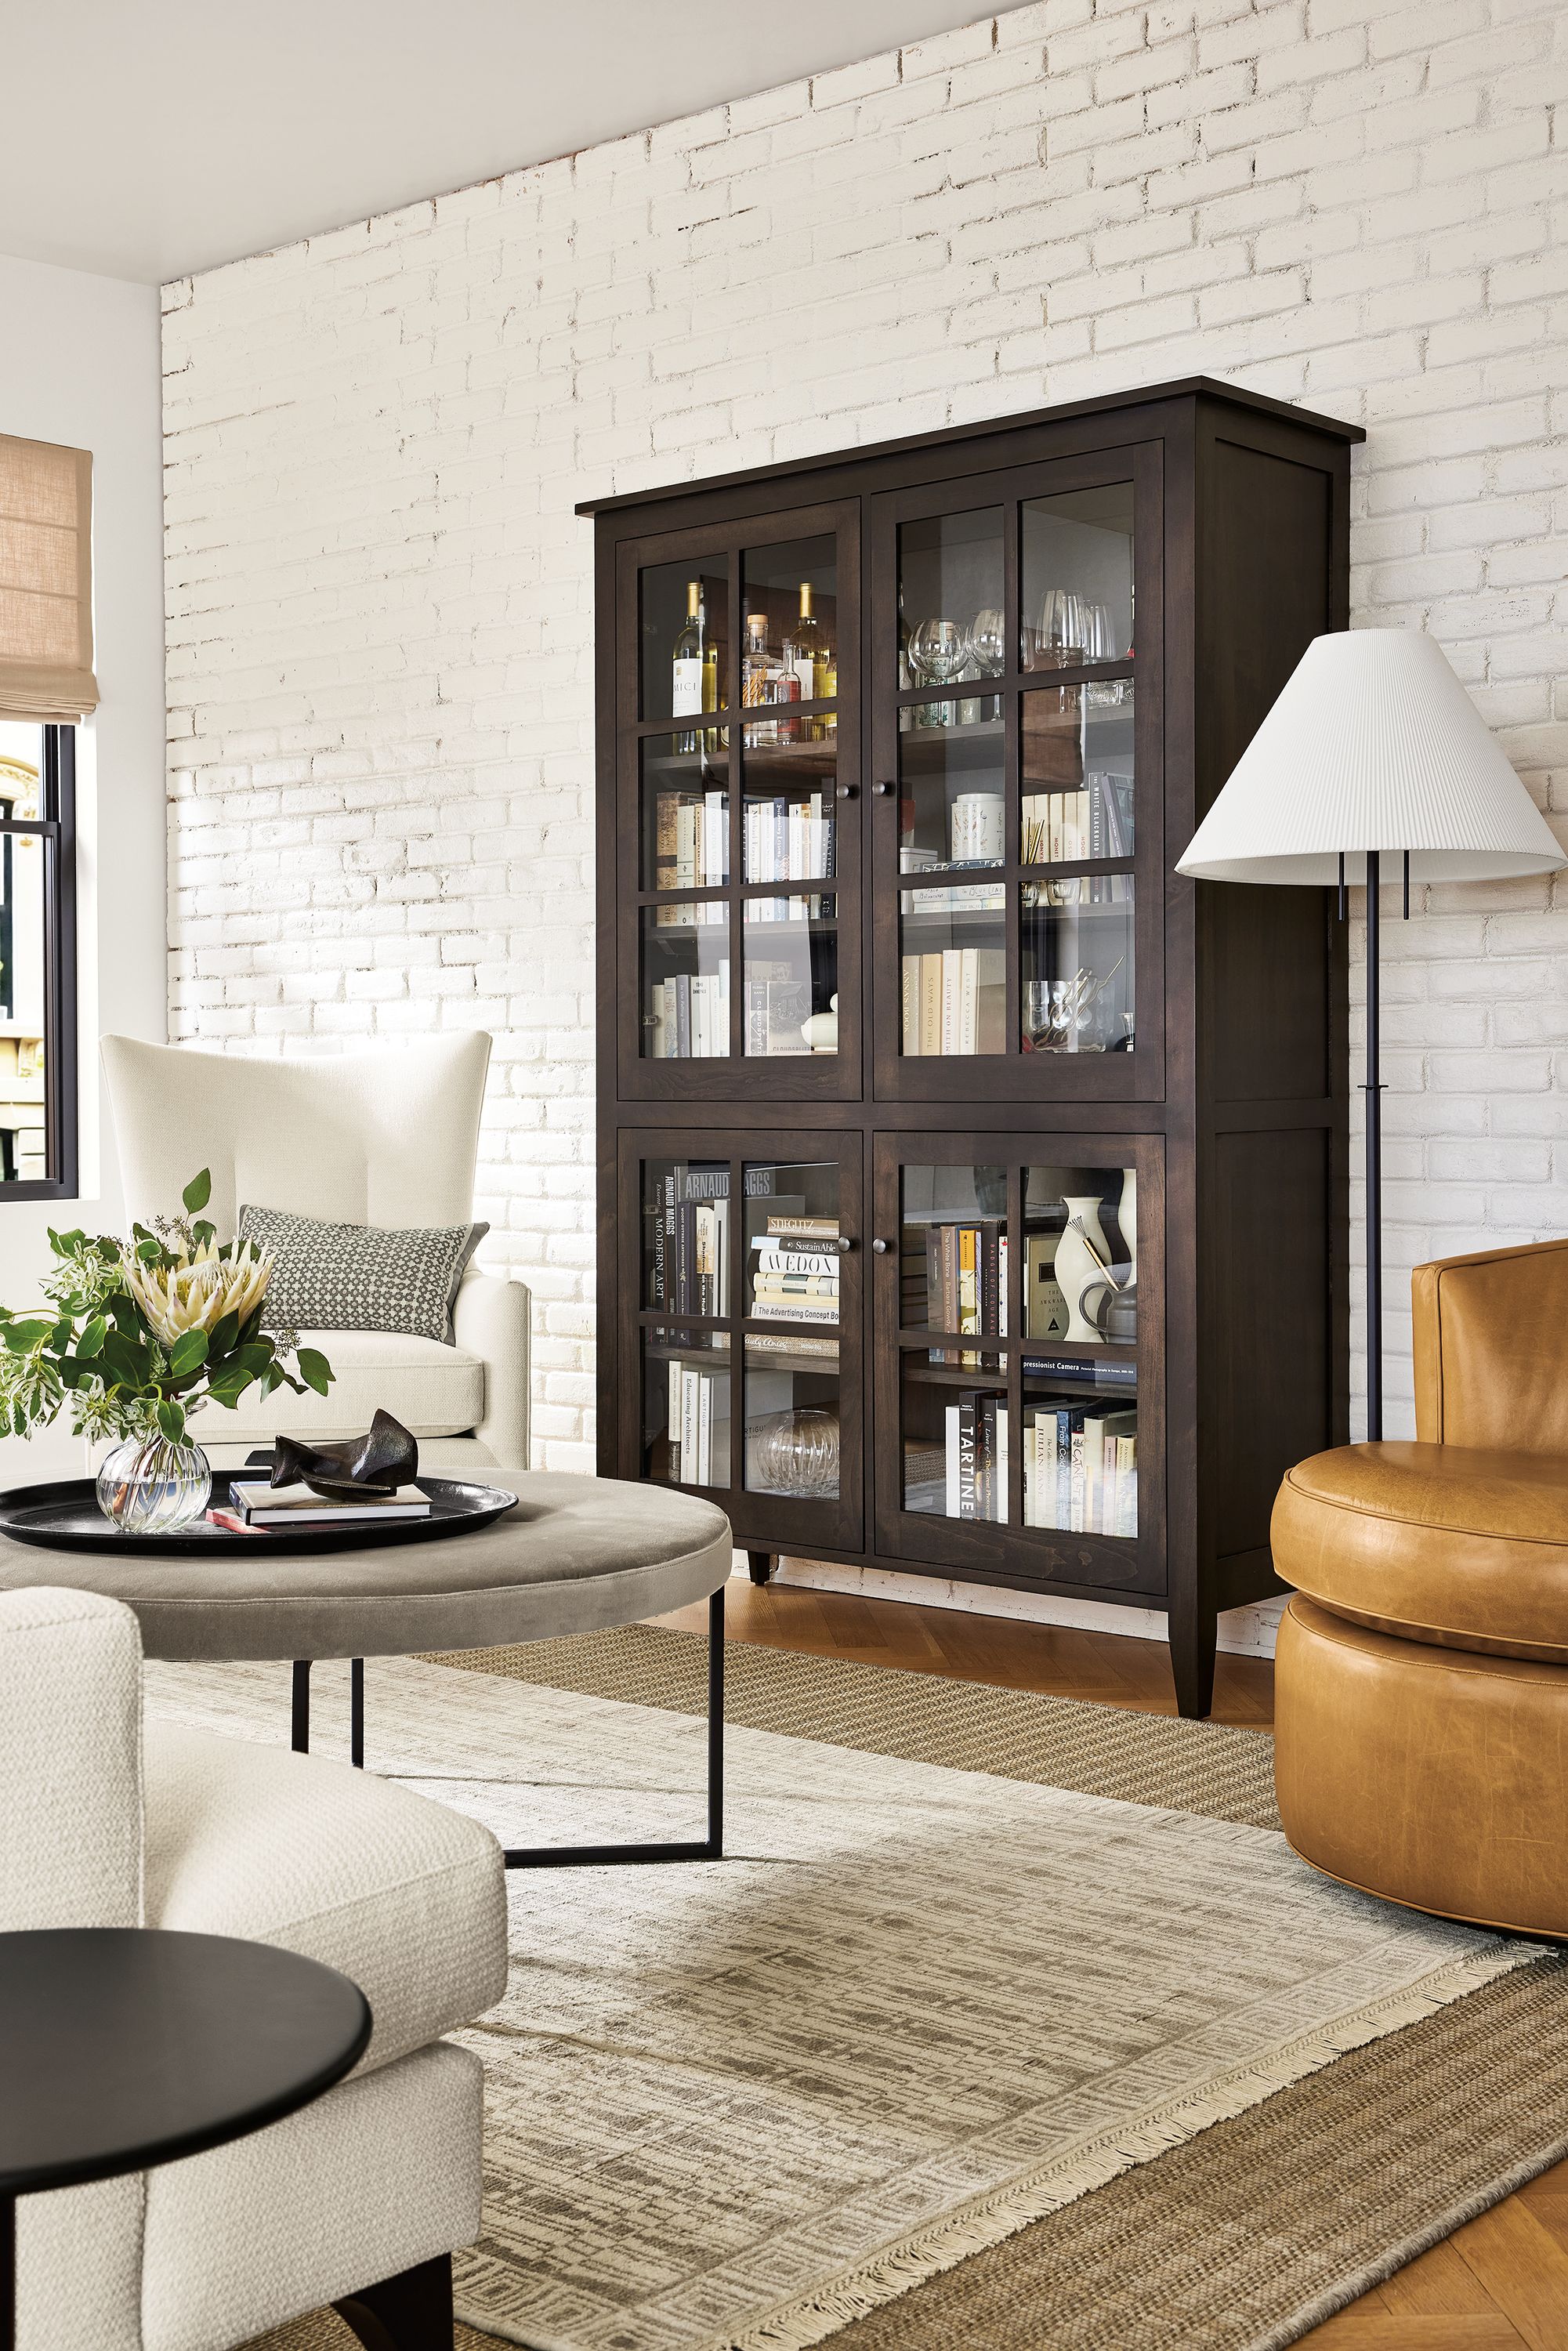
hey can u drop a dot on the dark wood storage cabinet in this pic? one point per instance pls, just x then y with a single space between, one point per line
972 1186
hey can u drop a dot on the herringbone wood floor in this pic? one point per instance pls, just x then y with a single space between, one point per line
1500 2283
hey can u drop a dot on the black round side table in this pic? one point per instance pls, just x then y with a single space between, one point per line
123 2047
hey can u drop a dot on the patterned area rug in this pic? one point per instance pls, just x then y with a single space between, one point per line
919 2009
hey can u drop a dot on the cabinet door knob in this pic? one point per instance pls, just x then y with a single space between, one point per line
846 1241
846 791
883 790
881 1246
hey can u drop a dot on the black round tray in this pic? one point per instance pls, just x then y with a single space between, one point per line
64 1516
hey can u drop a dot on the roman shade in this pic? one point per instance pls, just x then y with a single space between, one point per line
46 582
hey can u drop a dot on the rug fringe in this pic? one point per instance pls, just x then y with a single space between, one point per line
988 2219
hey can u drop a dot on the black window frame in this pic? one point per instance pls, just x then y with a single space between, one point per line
55 826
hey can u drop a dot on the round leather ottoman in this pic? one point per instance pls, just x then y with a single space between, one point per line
1421 1679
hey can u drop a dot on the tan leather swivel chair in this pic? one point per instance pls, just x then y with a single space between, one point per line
1421 1694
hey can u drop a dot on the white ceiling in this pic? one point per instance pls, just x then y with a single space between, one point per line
150 141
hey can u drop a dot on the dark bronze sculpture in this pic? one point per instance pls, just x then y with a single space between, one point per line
351 1466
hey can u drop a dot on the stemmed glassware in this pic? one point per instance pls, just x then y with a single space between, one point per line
937 650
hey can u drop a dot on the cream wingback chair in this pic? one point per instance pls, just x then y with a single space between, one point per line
383 1138
109 1821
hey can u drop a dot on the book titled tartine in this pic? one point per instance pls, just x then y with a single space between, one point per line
297 1505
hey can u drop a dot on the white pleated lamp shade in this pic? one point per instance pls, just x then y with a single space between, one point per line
1373 745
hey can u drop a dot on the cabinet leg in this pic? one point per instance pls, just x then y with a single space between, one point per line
1192 1664
761 1564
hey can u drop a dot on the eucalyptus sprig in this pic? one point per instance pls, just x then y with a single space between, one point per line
146 1331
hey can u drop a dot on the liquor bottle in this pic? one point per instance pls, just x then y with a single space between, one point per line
806 658
757 669
687 666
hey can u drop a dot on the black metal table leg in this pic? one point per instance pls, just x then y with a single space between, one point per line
302 1740
709 1848
357 1713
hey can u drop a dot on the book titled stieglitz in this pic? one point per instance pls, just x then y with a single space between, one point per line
262 1505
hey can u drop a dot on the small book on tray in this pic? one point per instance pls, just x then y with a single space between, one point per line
261 1505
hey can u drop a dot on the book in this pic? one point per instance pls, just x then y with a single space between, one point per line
804 1228
775 1257
297 1505
931 1004
1085 1368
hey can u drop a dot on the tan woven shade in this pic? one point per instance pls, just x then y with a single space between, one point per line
46 581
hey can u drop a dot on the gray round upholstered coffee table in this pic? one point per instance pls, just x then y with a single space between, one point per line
576 1555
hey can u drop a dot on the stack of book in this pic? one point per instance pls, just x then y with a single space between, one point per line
689 1015
977 1457
1066 828
789 840
258 1504
795 1272
690 1242
955 1000
691 844
1081 1470
965 1282
697 1425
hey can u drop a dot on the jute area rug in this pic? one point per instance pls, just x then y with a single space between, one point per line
922 2019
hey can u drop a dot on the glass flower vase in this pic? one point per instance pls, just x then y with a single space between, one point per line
150 1486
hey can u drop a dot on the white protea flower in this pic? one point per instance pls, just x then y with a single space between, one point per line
197 1292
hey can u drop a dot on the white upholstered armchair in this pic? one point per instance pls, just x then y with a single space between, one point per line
359 2199
383 1138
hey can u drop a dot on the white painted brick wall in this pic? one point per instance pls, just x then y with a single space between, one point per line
379 606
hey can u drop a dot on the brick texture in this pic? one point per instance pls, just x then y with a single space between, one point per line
379 619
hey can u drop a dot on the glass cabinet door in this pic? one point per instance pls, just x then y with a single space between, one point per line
1018 784
745 1354
739 818
1013 1342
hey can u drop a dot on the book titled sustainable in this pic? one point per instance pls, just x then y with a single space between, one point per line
297 1505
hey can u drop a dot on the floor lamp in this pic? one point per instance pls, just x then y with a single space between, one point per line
1373 751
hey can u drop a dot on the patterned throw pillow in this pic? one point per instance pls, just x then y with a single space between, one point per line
361 1276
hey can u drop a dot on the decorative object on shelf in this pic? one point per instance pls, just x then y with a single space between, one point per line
1372 749
822 1031
978 828
348 1467
797 1452
1083 1266
143 1333
1127 1218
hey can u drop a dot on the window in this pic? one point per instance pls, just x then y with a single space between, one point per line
37 961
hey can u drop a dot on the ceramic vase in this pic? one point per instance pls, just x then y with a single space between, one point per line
1082 1256
148 1486
1127 1218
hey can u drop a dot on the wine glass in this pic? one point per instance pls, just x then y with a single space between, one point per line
937 652
988 652
1063 628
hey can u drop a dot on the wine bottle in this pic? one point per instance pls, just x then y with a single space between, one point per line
687 668
756 667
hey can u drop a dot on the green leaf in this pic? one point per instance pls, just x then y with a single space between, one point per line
92 1336
224 1334
198 1192
314 1369
23 1337
202 1233
171 1419
188 1353
149 1251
